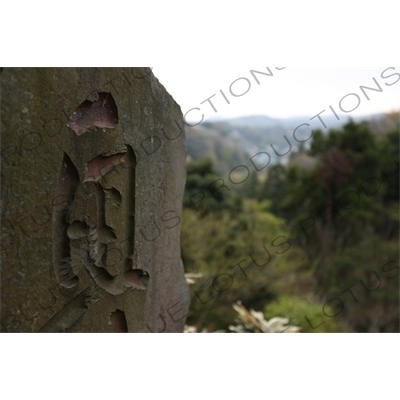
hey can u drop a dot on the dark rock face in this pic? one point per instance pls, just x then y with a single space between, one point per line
93 173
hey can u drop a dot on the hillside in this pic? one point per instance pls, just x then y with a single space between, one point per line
232 142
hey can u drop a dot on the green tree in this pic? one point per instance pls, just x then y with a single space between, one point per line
245 256
250 188
274 188
203 191
346 216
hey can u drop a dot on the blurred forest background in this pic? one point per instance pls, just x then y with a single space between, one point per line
313 237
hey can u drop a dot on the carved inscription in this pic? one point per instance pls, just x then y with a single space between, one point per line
101 241
94 221
67 185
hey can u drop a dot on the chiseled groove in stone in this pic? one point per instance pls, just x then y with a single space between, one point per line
67 185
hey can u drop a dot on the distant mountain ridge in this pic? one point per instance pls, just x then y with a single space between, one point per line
253 120
292 122
232 142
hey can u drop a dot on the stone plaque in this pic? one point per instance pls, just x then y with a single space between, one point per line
93 173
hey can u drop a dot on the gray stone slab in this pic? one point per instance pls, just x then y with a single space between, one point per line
92 180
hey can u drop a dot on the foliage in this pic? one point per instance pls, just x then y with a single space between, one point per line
207 141
203 190
275 188
342 200
369 270
245 257
327 225
306 313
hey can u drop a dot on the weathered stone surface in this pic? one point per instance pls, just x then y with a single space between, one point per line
93 173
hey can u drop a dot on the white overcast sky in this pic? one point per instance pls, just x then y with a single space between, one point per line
290 92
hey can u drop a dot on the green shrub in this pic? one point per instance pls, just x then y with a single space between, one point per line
298 309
